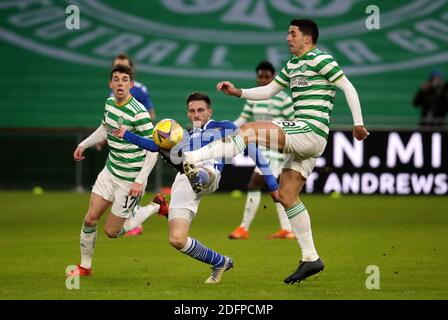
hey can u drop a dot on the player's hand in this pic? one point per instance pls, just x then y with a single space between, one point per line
228 88
275 196
360 133
119 132
78 154
136 189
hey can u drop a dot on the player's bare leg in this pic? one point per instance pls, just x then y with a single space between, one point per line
113 225
179 239
97 207
157 205
291 183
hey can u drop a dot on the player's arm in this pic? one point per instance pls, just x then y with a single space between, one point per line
100 134
330 69
142 142
359 132
143 129
257 93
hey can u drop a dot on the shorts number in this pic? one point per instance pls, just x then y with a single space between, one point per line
288 123
130 202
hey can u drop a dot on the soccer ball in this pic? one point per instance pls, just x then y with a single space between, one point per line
167 133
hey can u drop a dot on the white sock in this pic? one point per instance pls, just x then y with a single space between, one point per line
187 245
228 147
87 244
141 214
250 209
301 225
282 217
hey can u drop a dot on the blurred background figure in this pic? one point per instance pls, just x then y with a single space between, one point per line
432 98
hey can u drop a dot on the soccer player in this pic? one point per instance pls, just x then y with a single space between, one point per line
141 94
313 76
187 191
278 108
122 181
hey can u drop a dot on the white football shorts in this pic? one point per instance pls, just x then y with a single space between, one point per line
302 148
183 196
115 190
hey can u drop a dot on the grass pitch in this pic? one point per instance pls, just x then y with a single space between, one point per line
406 237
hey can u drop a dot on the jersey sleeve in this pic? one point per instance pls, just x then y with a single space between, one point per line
283 77
143 125
328 68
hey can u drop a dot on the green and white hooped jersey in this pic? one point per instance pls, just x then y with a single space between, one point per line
125 160
277 108
311 78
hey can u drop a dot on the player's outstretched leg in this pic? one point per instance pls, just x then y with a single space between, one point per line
219 262
228 147
217 271
198 177
163 203
179 239
157 205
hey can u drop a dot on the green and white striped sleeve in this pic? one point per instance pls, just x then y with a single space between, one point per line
328 67
283 77
143 124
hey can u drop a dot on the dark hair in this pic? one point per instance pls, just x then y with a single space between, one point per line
199 96
307 27
124 56
122 69
265 65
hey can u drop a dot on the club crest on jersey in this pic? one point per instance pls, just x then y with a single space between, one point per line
299 82
304 67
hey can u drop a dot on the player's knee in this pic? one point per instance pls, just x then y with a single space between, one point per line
286 200
178 241
90 222
111 233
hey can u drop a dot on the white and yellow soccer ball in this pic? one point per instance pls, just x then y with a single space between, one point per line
167 133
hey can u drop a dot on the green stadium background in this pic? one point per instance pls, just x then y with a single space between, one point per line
56 78
50 82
